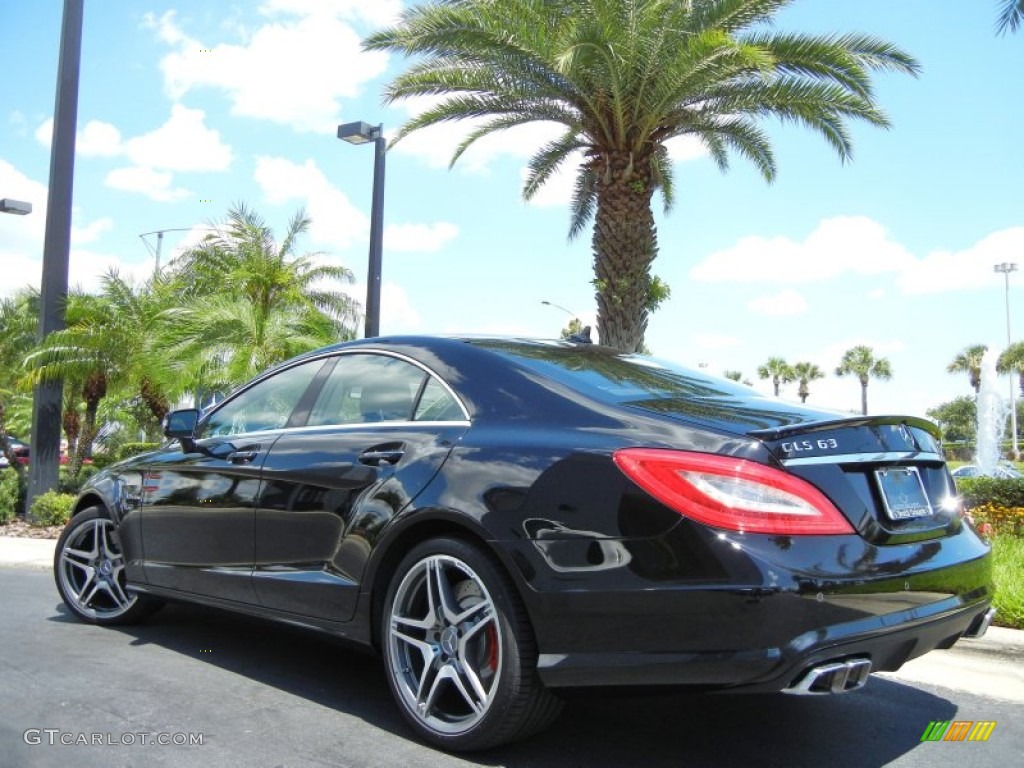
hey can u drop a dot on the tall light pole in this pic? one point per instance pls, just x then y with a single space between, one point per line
1006 268
363 133
46 407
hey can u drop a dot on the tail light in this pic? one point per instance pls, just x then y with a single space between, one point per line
731 493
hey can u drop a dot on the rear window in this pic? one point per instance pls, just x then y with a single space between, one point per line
607 375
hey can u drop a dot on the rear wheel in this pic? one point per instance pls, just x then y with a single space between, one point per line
459 651
89 569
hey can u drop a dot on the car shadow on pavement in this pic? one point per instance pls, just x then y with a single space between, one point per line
870 727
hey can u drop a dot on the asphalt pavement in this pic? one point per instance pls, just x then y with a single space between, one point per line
262 694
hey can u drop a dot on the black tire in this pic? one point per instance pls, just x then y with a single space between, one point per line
89 570
459 652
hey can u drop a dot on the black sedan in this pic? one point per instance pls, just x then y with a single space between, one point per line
501 519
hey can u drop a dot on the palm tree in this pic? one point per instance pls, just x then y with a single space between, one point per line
969 361
805 373
251 301
1011 15
778 370
621 78
860 361
1012 361
111 345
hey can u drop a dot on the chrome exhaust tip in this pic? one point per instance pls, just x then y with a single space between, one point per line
981 625
834 677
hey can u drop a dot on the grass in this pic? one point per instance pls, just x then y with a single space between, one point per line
1008 574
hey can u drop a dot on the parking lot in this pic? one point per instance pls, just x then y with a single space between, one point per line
258 694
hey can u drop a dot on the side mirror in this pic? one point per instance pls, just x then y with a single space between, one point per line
181 424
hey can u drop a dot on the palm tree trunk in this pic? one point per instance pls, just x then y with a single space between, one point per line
624 245
864 396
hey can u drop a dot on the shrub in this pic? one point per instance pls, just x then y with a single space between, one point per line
68 484
51 508
127 450
999 491
9 495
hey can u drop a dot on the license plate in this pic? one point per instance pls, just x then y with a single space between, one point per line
903 493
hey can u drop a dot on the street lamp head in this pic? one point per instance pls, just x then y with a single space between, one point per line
1006 267
358 132
17 207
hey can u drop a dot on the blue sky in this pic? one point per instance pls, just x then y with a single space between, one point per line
188 106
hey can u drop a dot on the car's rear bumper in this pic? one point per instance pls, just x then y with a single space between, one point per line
892 640
698 608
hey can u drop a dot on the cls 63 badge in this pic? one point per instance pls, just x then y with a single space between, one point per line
800 446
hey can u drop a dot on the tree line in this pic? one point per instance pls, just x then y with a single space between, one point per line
218 314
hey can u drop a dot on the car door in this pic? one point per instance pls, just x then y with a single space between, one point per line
379 430
199 500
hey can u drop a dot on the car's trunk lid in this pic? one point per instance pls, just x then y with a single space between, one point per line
885 473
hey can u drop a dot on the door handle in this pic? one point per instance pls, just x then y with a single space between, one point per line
242 457
382 454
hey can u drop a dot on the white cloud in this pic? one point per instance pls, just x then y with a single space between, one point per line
156 185
423 238
21 241
787 302
963 270
92 231
295 71
183 143
839 245
844 244
877 294
397 314
714 340
98 139
335 221
858 245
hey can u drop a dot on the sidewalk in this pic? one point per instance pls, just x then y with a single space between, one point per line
26 553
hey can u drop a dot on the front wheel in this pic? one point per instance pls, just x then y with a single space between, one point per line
89 570
459 652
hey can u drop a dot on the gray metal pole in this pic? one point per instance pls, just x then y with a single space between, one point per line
46 409
373 279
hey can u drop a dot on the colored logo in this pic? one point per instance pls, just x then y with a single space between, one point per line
958 730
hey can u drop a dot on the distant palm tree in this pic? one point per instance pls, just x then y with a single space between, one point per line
1011 16
778 370
621 78
805 373
1012 361
250 301
860 361
969 361
733 375
110 345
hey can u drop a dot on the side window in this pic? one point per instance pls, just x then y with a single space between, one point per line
367 388
436 404
267 405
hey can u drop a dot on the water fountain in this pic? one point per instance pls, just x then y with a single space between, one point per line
992 413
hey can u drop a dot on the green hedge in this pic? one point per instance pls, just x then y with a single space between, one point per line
998 491
10 495
52 508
